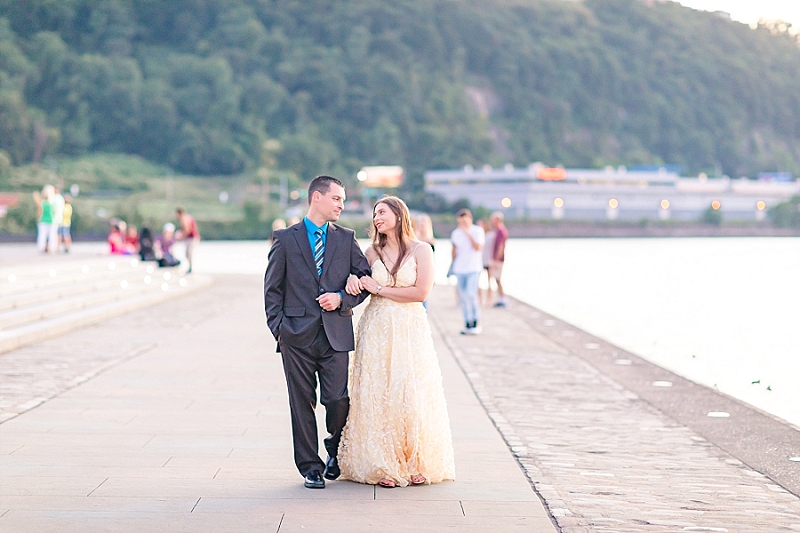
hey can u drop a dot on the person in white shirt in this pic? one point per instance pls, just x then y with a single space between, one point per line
468 240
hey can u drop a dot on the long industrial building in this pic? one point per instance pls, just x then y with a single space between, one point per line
539 192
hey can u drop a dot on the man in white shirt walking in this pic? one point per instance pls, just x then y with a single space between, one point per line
468 240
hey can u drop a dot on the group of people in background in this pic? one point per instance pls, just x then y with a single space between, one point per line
54 219
124 239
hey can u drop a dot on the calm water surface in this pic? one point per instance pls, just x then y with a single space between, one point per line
724 312
721 312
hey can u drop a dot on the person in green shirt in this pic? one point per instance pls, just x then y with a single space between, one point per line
45 212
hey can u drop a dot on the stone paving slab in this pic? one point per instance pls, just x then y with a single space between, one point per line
191 433
33 374
601 457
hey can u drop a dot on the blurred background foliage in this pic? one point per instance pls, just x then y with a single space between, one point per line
199 85
127 98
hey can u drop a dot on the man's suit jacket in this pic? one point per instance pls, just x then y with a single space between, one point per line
291 286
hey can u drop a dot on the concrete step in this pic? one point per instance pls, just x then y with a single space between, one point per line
83 297
44 297
124 301
91 283
19 279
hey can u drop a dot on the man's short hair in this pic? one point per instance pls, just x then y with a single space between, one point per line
498 214
323 185
464 213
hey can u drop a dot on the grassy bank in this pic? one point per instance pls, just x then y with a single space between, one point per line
141 193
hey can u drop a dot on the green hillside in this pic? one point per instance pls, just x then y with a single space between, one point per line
200 85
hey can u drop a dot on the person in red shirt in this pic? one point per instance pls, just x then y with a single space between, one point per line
188 233
132 239
116 239
498 255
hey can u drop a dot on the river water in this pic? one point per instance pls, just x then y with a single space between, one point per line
724 312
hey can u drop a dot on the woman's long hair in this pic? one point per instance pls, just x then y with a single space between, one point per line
403 232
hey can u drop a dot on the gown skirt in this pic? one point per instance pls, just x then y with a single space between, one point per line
398 424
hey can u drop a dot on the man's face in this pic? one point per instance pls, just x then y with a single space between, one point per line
330 204
464 221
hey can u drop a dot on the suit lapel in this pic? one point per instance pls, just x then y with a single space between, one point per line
301 236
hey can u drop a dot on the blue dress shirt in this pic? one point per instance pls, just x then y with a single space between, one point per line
312 228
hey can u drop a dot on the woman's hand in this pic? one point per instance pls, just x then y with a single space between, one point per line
353 286
369 284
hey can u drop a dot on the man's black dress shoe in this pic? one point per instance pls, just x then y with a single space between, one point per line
332 470
314 480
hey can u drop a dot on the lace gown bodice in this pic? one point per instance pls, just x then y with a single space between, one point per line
398 424
406 277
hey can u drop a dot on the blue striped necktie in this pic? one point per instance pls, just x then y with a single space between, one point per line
319 251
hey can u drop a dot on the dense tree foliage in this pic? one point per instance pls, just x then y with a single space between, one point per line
201 84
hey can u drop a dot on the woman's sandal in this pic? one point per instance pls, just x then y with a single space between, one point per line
388 483
418 479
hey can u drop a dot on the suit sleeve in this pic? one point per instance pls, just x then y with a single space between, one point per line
359 266
275 285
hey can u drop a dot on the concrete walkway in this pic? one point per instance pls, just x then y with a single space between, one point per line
187 429
175 418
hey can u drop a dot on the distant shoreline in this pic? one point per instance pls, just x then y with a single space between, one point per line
558 230
561 230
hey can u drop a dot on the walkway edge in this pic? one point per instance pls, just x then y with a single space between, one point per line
762 441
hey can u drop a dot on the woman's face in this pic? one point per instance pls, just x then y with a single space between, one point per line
384 219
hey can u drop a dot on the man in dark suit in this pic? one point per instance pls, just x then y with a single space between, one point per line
310 315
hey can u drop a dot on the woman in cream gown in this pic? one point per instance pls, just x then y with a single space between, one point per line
398 430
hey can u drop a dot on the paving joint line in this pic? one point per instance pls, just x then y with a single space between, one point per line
97 487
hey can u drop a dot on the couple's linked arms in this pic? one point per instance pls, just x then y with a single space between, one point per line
418 292
331 301
359 267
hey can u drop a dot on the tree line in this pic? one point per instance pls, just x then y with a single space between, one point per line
201 85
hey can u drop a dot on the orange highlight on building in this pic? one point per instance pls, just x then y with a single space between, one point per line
551 174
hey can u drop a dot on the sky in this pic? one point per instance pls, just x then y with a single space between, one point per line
750 11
